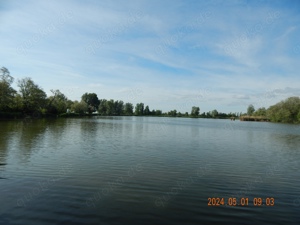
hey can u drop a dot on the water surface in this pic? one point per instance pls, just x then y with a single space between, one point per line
129 170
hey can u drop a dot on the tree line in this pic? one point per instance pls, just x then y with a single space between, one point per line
286 111
31 99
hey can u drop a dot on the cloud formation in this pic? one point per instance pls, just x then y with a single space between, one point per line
170 51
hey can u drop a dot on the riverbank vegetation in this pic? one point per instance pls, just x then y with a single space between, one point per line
30 100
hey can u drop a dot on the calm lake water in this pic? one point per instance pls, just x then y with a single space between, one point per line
143 170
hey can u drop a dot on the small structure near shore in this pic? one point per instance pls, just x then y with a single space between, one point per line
254 118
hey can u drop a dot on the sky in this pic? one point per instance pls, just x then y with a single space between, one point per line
169 55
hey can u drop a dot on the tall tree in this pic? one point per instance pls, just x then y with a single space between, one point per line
250 110
110 107
128 109
7 93
91 99
57 103
34 98
139 109
79 107
102 108
214 113
147 110
119 108
195 111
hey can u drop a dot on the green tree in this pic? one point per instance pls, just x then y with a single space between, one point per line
195 111
79 107
250 110
34 98
128 109
57 103
214 113
91 99
139 109
261 112
147 110
118 109
110 107
286 111
17 103
158 112
7 93
102 108
173 113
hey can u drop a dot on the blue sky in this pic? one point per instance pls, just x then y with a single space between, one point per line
220 55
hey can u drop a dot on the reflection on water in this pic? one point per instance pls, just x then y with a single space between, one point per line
125 170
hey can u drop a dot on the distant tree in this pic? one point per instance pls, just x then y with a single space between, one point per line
139 109
158 112
7 93
91 99
79 107
195 111
110 107
172 113
57 103
250 110
147 110
203 115
186 114
261 112
119 105
214 113
286 111
34 98
128 109
102 108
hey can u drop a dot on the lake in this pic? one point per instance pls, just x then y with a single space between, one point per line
147 170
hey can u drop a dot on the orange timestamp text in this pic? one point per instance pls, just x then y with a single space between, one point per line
257 201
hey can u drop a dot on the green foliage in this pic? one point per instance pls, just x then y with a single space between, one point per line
128 109
286 111
250 110
91 99
58 103
195 111
139 109
147 111
118 108
260 112
173 113
102 109
158 112
214 113
7 93
79 107
110 107
34 98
